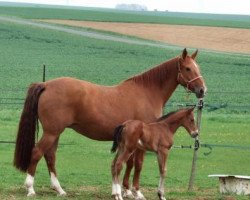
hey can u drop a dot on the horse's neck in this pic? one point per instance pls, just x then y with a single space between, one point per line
160 81
173 122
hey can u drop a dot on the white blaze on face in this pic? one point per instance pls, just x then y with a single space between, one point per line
195 65
205 88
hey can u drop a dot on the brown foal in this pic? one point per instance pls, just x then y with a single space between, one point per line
156 136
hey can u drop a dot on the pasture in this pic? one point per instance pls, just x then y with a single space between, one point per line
83 165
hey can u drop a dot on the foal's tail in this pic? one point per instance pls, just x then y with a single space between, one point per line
28 125
117 137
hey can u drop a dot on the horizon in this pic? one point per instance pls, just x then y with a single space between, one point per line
198 6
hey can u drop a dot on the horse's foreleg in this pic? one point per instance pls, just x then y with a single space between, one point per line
42 146
162 157
50 157
138 161
127 192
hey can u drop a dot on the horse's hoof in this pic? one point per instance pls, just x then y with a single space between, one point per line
128 194
31 194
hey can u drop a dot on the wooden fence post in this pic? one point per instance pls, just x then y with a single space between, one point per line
196 147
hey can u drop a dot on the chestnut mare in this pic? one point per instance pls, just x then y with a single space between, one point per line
156 136
95 110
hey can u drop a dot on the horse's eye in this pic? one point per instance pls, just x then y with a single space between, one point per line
188 69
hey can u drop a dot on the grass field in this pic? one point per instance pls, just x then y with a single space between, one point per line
111 15
84 166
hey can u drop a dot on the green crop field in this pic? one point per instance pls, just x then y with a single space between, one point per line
111 15
84 165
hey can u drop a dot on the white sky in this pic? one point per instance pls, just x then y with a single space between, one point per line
202 6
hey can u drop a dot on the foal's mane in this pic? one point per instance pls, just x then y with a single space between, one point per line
157 75
170 114
166 116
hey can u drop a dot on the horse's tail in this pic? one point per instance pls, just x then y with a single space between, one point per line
28 125
117 137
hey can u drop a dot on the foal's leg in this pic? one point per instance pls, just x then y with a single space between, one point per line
138 161
42 146
127 192
162 157
120 158
50 157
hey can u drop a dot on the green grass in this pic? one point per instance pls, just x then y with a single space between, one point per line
111 15
84 166
25 49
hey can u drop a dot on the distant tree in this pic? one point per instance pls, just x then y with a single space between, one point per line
135 7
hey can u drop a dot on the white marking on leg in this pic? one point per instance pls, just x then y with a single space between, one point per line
114 188
29 182
117 191
161 185
161 188
128 194
56 185
138 195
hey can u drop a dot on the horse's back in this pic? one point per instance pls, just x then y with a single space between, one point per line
61 100
91 109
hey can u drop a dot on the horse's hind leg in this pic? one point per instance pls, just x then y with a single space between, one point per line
129 166
120 158
50 157
38 151
138 161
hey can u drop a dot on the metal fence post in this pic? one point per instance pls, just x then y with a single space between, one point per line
44 71
196 147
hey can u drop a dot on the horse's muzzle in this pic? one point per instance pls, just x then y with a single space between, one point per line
194 134
200 92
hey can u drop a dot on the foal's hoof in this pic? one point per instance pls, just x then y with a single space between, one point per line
161 197
117 197
138 195
62 194
31 194
128 194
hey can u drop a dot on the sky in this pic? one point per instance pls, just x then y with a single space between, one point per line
200 6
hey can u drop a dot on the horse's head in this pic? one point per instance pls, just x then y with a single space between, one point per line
189 74
189 123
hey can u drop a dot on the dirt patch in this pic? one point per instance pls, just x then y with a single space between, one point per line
214 38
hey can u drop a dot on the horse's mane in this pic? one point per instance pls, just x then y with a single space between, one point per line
156 75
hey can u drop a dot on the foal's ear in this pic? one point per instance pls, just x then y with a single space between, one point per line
194 54
184 54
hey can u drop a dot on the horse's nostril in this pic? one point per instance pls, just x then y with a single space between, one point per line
201 91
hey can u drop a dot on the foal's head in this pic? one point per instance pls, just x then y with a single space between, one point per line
188 122
189 74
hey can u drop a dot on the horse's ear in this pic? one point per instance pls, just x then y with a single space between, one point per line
194 54
184 54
